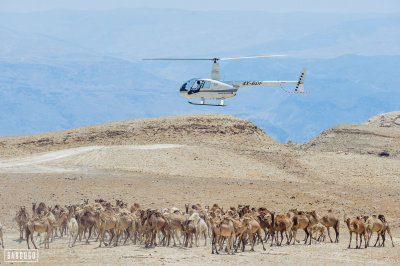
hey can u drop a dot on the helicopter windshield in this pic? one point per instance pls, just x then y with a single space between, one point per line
183 88
195 85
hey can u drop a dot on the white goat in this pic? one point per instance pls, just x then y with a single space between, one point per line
321 229
201 227
72 230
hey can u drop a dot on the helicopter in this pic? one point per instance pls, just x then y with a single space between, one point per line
214 88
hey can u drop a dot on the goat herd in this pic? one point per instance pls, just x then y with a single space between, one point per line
227 230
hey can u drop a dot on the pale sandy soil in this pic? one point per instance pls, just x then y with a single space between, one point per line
165 191
229 168
316 254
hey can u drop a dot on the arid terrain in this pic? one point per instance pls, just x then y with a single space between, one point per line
206 159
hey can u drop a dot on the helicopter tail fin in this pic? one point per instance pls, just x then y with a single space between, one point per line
300 83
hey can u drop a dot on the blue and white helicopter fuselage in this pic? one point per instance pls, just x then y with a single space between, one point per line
202 88
214 88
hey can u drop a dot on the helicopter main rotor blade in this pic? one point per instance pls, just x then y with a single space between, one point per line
180 59
257 56
215 59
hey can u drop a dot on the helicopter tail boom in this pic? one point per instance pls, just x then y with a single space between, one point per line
299 83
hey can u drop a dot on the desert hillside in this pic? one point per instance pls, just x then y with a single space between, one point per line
207 129
190 145
206 159
387 120
379 135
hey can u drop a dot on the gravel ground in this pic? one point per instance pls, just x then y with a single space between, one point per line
242 165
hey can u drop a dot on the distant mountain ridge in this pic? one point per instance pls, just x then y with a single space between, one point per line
64 69
137 33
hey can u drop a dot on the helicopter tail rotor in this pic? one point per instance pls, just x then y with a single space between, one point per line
300 83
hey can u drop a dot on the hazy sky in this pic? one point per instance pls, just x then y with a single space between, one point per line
342 6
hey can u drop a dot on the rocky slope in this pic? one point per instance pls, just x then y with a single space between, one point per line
207 145
388 120
207 129
379 135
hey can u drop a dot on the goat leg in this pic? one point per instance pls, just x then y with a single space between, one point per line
351 235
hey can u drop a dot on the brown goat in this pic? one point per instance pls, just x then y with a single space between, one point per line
22 219
331 220
281 223
386 228
358 227
253 229
303 220
374 224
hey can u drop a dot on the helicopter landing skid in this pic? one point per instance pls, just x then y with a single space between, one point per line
208 104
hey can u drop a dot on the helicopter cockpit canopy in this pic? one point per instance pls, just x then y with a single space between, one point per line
195 85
